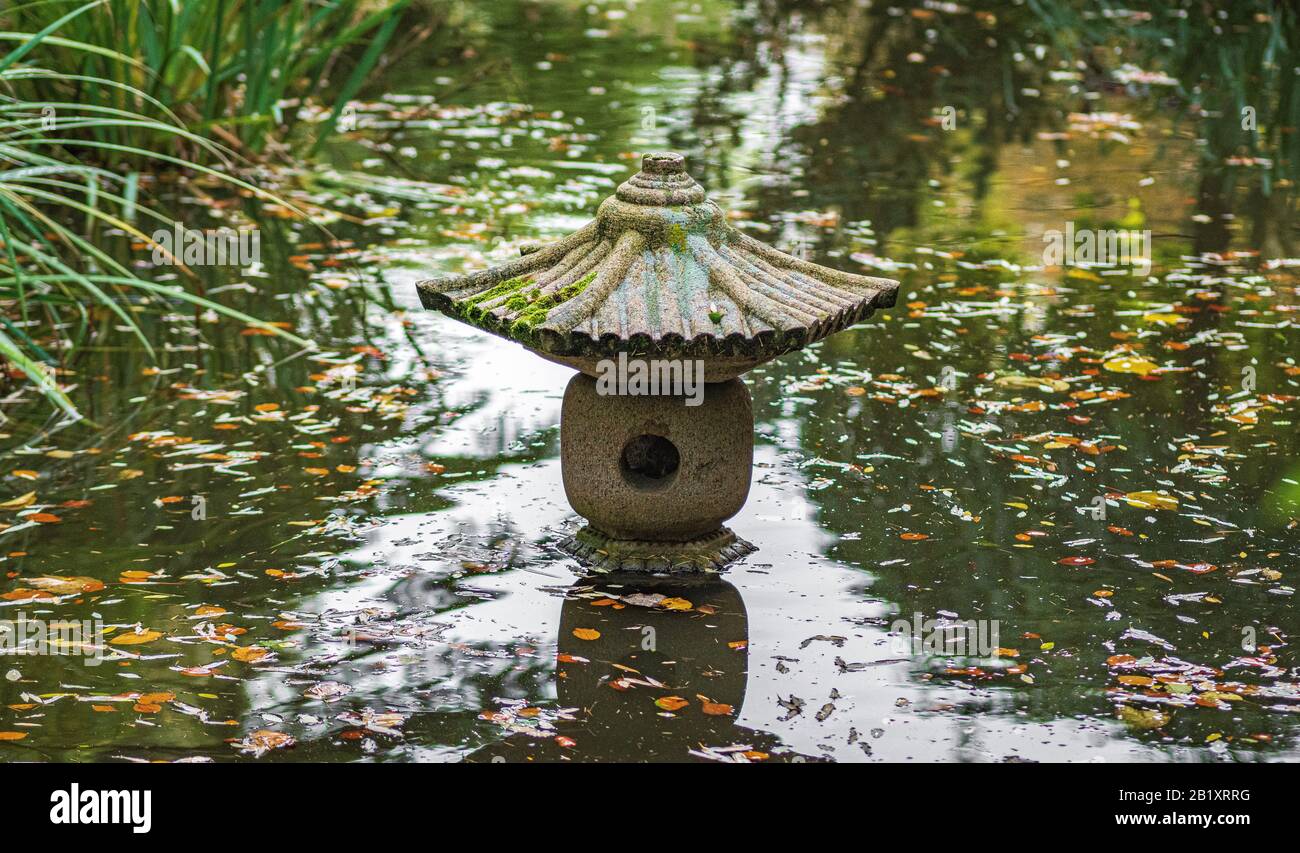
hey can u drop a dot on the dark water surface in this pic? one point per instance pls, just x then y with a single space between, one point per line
376 575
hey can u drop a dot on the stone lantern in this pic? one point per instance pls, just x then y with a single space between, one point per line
660 305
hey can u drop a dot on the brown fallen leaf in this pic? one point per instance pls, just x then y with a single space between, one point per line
263 741
61 585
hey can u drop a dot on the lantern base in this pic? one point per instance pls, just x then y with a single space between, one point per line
709 553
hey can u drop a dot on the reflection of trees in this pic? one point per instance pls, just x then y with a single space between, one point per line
899 76
897 70
1234 63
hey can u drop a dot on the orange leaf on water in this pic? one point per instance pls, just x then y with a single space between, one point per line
249 654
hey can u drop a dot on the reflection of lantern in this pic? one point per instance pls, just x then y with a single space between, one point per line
653 669
658 286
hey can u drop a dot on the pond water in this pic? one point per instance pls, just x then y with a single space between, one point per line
356 547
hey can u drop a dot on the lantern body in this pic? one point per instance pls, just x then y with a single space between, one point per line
653 467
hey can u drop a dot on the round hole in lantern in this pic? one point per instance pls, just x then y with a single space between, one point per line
649 462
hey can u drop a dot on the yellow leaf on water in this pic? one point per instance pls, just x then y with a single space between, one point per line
20 502
1152 500
1143 718
675 604
586 633
134 639
12 735
1130 364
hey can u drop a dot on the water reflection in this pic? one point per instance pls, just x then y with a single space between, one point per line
647 669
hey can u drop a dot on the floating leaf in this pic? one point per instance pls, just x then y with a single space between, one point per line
586 633
263 741
249 654
1037 383
20 502
1143 718
327 691
60 585
1130 364
671 703
1152 500
1164 319
135 638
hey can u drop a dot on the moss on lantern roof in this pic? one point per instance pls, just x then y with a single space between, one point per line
660 273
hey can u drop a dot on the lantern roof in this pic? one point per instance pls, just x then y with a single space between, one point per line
660 273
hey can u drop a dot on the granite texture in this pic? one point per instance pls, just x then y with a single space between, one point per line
635 489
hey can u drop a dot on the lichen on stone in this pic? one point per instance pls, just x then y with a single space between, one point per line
676 235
